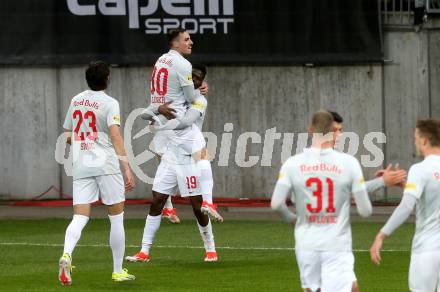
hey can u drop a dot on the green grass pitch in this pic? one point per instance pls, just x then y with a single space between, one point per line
254 256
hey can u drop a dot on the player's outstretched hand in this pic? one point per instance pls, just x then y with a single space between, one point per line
376 247
402 173
204 88
392 177
167 111
380 172
129 180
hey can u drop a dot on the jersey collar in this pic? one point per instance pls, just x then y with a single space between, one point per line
319 150
174 52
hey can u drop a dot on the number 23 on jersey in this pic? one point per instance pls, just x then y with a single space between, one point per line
90 119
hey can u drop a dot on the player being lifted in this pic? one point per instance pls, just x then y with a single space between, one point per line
422 191
196 115
172 82
321 181
92 128
391 176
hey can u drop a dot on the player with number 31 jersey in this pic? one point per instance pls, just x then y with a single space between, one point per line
321 182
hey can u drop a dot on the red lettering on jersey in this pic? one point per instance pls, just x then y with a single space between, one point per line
86 102
325 219
437 175
87 146
331 168
158 99
165 61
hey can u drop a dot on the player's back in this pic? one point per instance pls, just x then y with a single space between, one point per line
424 183
171 72
91 114
323 181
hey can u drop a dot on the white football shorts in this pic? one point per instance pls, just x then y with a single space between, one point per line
424 272
110 188
171 176
329 270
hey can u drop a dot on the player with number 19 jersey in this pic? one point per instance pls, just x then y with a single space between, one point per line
322 182
89 117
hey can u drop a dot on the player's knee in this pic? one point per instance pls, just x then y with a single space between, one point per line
159 201
82 209
155 210
355 287
116 209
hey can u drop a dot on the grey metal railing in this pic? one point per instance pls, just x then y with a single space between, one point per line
433 6
397 12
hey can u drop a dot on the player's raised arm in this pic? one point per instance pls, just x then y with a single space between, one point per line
283 189
359 191
386 178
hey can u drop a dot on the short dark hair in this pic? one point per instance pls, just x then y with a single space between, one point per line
430 128
97 75
173 34
322 122
200 67
336 117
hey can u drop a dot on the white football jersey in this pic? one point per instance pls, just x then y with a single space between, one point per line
89 117
170 73
200 103
424 184
322 182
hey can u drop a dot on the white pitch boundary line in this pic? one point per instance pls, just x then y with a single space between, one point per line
178 246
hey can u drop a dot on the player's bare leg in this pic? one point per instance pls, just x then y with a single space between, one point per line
355 287
205 229
152 224
117 242
81 214
169 212
206 184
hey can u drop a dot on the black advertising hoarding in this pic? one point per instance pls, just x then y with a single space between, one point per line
54 32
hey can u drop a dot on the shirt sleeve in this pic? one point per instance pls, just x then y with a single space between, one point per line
68 120
283 178
184 74
415 182
114 115
375 184
358 181
283 189
400 214
199 104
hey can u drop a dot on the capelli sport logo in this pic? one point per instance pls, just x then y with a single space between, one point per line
196 16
